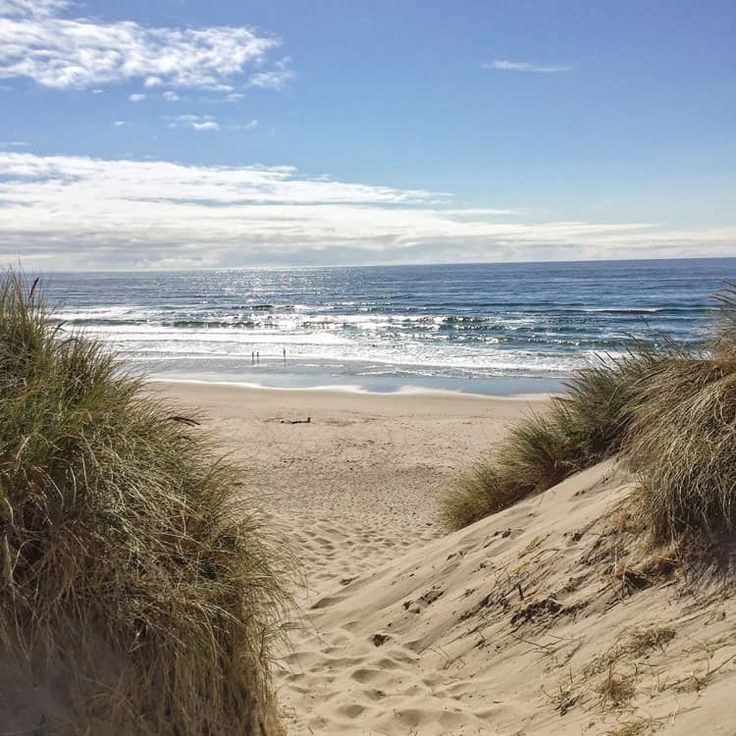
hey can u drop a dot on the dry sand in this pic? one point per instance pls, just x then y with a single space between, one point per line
534 621
355 487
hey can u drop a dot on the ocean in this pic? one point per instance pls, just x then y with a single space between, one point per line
481 328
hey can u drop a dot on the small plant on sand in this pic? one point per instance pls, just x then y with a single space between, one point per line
616 690
641 641
631 645
136 592
565 697
636 727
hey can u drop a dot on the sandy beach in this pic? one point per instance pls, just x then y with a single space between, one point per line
356 486
519 624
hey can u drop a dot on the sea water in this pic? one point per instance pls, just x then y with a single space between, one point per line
487 328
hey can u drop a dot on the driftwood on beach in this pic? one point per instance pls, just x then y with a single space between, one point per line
308 420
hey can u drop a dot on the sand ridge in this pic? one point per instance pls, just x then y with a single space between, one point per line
516 625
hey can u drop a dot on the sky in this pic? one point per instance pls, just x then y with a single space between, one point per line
235 133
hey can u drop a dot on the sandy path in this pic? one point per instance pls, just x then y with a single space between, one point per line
352 490
357 485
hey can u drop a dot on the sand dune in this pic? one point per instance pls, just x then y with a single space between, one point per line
518 624
534 621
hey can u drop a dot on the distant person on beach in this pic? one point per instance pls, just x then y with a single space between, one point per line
284 354
258 357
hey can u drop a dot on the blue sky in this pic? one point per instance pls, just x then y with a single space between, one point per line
176 133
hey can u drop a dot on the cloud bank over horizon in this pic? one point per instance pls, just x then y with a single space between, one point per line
131 131
78 212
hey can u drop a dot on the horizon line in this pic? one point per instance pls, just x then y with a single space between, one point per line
315 267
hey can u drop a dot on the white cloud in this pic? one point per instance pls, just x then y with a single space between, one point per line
274 78
207 122
481 211
13 144
137 97
62 53
195 122
119 123
79 212
524 66
33 8
170 96
206 125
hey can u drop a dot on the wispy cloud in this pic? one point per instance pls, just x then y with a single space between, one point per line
274 78
207 122
504 65
137 97
38 44
33 8
170 96
80 212
195 122
13 144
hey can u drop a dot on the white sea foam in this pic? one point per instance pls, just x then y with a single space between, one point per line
450 322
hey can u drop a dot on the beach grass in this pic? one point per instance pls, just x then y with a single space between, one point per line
682 442
669 411
139 592
585 425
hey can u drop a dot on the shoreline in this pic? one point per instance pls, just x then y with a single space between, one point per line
351 390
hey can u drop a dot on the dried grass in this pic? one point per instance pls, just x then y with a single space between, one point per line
132 577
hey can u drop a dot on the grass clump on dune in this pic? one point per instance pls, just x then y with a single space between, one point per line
683 440
671 413
137 596
581 428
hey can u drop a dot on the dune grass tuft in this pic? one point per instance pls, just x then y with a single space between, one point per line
671 412
683 440
133 583
582 427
